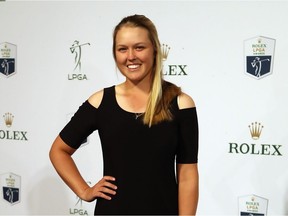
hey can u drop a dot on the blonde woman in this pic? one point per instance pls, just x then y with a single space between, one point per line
145 124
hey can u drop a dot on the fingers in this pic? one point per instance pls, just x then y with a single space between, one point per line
104 188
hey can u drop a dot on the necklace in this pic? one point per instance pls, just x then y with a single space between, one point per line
137 115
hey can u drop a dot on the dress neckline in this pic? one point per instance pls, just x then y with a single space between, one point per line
137 115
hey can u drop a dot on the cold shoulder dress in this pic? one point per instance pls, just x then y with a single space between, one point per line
142 159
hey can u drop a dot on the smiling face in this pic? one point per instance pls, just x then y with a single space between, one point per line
134 53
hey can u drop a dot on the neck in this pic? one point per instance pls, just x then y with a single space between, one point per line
132 98
136 88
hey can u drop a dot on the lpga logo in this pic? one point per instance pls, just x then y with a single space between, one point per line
259 55
10 184
7 59
252 205
76 50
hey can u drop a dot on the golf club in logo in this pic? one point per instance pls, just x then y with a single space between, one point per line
7 59
259 56
10 184
252 205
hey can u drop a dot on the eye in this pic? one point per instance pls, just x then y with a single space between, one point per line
121 49
139 48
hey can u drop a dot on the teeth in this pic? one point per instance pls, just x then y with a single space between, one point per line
133 66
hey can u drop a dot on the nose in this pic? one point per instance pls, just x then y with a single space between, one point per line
131 55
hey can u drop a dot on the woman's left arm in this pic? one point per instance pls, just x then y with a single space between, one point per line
187 173
188 188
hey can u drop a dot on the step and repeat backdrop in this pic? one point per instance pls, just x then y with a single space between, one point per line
230 56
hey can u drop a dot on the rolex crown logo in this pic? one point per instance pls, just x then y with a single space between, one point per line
8 118
255 130
165 51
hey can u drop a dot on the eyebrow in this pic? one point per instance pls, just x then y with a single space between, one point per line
136 44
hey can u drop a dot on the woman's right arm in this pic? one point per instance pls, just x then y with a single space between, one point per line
61 157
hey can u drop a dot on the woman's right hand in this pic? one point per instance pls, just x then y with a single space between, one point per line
61 157
103 189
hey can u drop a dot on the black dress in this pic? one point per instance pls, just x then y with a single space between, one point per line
142 159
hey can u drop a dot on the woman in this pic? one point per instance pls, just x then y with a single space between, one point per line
144 123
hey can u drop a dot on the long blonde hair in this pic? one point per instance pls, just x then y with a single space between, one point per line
161 92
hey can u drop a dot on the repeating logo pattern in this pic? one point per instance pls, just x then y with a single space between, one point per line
255 148
165 51
10 184
255 130
10 134
252 205
259 56
172 69
8 53
76 50
8 118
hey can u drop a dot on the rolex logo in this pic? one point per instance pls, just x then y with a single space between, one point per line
255 148
9 134
165 51
8 118
255 130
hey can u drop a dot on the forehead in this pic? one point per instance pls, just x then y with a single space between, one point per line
128 34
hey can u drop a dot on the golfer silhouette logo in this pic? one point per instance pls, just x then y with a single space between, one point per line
259 56
11 194
76 50
7 59
5 65
257 64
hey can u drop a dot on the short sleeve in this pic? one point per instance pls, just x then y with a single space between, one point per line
187 151
81 125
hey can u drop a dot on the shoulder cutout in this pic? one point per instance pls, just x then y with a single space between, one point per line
185 101
96 98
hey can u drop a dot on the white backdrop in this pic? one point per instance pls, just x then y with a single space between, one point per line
206 59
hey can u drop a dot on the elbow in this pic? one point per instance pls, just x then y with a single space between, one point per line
57 150
52 155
